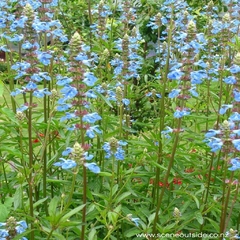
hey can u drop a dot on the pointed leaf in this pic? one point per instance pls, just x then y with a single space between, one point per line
122 196
199 217
53 206
1 88
39 202
71 213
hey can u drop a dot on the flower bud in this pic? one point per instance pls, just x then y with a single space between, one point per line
226 125
75 43
11 225
77 153
119 94
236 59
226 17
177 213
28 12
54 93
105 54
191 28
19 116
113 142
158 20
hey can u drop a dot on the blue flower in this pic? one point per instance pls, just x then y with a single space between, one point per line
16 92
193 91
175 75
91 94
89 79
236 143
234 69
27 45
235 117
119 153
64 107
21 66
22 108
44 58
31 86
15 38
236 95
22 226
198 76
93 167
61 81
174 93
230 80
91 117
36 77
236 132
81 57
3 234
136 221
91 131
65 164
88 156
67 151
68 116
224 108
165 132
212 133
41 93
235 164
125 101
215 144
68 92
179 113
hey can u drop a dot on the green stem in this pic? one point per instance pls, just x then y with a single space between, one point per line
31 163
11 83
112 182
84 189
162 112
225 208
90 22
170 165
232 205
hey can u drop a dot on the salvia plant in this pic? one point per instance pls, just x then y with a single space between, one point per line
119 121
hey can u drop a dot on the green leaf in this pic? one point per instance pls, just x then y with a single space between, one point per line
8 202
105 174
214 224
9 114
104 99
39 202
56 234
3 213
72 212
132 232
53 206
114 189
92 234
113 215
199 217
196 200
17 198
122 196
1 88
151 218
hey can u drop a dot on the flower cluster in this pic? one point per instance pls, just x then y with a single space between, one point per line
226 139
77 157
12 228
114 148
